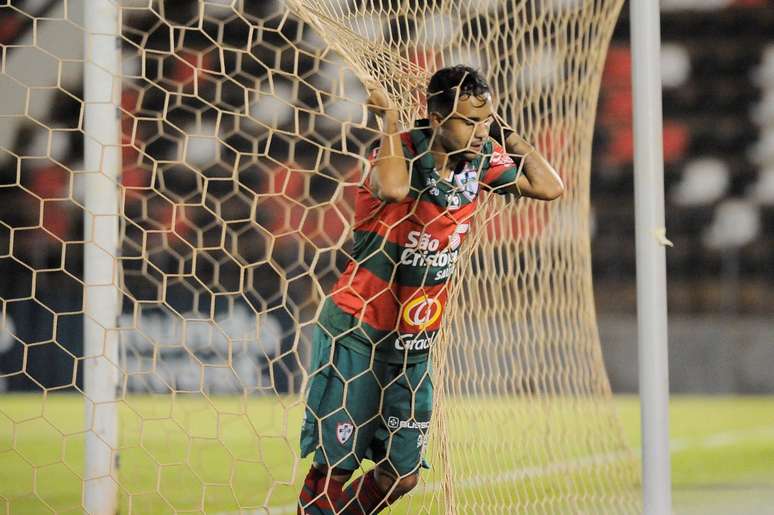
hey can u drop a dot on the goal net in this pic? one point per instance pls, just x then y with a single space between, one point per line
242 138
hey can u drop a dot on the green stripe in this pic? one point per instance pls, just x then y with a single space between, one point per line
361 337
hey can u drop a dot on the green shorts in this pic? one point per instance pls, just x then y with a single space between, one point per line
360 409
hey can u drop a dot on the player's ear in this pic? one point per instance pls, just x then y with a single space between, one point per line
435 119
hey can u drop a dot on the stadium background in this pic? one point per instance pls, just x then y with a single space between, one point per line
718 77
718 71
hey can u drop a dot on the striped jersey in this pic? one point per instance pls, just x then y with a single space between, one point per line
391 297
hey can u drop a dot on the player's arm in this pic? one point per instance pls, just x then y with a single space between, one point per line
389 178
538 179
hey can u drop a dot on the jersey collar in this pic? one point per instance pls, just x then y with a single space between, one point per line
421 136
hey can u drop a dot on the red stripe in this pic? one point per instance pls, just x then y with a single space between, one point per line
324 504
368 298
393 222
405 137
495 173
427 212
499 163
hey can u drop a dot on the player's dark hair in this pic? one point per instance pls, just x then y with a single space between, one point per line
444 84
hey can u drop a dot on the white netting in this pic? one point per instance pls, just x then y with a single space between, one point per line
244 134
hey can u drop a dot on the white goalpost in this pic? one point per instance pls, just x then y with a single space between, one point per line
651 258
102 165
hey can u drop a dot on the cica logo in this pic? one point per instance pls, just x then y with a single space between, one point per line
422 312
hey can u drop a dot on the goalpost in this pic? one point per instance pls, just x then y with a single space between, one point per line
651 259
101 296
223 145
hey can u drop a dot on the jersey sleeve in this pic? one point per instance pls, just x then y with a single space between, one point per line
502 171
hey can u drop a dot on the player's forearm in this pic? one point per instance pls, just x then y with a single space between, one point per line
390 179
539 179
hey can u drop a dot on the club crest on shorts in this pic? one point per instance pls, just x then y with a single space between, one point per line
343 431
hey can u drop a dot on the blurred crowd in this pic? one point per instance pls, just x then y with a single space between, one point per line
718 100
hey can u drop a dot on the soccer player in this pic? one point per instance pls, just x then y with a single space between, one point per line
370 391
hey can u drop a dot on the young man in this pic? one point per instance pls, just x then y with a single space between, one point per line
370 390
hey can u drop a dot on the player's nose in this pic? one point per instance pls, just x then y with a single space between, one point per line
481 132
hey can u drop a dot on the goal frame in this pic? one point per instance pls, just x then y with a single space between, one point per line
652 339
101 295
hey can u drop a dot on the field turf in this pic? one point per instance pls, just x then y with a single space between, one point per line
722 456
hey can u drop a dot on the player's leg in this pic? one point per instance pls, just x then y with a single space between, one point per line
322 487
342 412
398 444
323 484
375 490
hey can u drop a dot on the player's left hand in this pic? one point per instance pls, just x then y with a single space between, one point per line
378 101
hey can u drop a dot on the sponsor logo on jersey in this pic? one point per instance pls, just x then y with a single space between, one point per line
343 432
413 342
422 312
422 250
501 159
396 423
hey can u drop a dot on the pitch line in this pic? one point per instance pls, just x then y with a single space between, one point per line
519 474
524 473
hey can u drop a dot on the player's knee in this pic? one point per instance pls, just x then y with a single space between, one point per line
337 474
396 487
406 484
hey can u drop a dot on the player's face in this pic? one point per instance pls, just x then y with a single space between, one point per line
463 132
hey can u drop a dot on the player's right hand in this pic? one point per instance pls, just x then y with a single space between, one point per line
378 101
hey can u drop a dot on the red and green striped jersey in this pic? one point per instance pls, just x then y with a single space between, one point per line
392 294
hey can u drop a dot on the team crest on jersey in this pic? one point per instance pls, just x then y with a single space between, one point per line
343 432
470 191
455 239
467 181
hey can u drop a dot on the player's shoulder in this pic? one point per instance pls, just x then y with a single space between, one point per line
493 147
497 155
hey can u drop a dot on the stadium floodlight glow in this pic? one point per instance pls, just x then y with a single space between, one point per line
102 163
651 258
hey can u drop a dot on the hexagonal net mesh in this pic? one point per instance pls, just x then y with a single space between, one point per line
243 139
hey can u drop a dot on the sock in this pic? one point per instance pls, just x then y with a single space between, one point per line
362 497
315 499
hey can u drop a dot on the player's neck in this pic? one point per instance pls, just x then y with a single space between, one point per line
445 163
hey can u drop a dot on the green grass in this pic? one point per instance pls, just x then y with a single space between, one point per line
195 454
